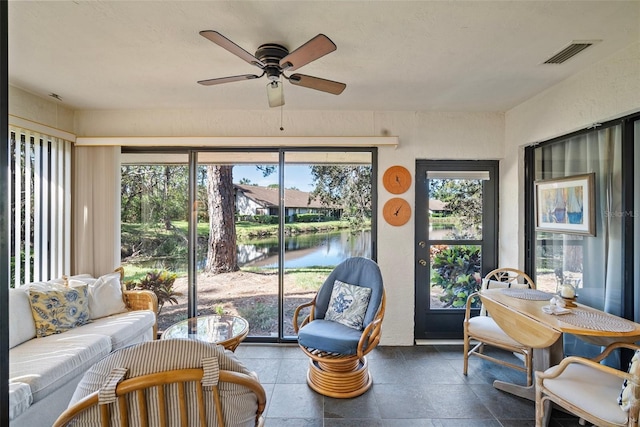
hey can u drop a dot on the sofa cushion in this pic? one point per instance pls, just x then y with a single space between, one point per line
20 398
123 329
21 325
45 364
105 294
64 280
57 308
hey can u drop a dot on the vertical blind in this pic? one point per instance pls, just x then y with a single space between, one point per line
40 200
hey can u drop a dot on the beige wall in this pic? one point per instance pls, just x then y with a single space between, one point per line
607 90
39 110
422 135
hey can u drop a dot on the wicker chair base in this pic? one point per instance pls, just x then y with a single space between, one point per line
348 378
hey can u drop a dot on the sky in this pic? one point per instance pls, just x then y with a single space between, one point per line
298 176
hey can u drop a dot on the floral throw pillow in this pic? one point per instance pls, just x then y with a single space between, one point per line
624 400
348 304
58 308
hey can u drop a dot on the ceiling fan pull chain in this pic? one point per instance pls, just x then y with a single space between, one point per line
281 114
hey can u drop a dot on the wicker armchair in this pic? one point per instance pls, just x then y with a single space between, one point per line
167 382
337 363
590 390
484 330
139 300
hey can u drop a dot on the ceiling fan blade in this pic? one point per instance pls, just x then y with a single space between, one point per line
211 82
227 44
317 83
275 94
315 48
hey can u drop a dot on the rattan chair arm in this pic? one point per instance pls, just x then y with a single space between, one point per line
167 377
307 319
613 346
467 311
143 300
250 383
370 337
70 413
371 334
583 361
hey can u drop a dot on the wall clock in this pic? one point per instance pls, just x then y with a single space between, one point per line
396 211
396 179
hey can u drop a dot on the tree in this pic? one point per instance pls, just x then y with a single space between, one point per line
463 198
154 193
346 187
222 253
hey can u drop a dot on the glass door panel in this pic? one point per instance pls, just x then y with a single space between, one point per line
238 238
327 205
456 233
154 214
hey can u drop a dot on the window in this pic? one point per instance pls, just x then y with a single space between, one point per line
601 267
40 206
268 227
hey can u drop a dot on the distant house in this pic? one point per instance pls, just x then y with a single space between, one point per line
254 200
438 206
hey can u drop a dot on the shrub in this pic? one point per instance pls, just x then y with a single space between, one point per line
457 270
309 217
160 283
260 316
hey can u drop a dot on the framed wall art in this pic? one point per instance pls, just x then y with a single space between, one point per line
566 205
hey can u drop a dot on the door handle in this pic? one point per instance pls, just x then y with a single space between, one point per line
422 262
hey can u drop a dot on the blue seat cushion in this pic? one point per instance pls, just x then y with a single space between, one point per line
329 336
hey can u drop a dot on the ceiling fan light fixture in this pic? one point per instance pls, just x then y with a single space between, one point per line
275 93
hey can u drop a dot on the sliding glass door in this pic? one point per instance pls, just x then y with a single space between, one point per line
267 227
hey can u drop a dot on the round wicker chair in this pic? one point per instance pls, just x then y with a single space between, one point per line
337 363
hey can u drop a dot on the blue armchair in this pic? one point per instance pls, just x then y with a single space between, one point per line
344 324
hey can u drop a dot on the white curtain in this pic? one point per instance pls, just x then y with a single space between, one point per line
96 222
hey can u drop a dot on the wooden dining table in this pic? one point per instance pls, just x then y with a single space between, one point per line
519 312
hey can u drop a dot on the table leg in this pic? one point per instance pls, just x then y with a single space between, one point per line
543 358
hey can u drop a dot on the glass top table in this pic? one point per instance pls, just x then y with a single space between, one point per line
225 330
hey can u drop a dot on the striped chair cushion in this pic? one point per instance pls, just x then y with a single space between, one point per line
239 403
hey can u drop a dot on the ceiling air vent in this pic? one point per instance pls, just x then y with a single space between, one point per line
570 51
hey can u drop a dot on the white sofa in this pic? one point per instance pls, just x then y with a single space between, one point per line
44 372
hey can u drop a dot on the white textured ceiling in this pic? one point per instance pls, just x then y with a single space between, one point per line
393 55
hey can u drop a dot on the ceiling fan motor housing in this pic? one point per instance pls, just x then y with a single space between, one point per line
271 54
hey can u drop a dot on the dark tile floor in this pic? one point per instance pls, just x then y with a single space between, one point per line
413 387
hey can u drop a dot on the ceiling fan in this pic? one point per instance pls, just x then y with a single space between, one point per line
274 59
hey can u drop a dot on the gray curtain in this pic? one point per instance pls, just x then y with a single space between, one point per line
594 260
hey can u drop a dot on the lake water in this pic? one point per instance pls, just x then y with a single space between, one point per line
307 250
318 249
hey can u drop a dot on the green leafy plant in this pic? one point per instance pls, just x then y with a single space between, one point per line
260 316
457 270
160 283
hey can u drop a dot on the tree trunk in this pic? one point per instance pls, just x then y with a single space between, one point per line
222 254
165 198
